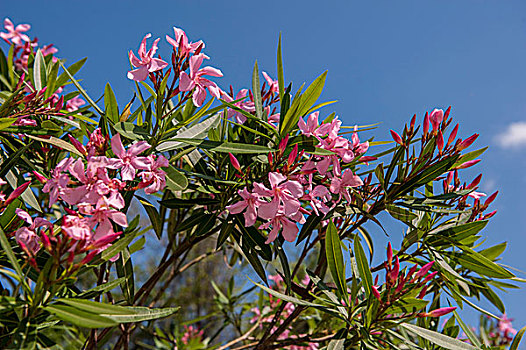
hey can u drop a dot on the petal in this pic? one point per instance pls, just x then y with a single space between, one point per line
119 218
199 96
134 60
157 64
275 179
237 208
290 230
185 82
269 210
24 216
117 147
137 148
295 188
214 72
139 74
127 172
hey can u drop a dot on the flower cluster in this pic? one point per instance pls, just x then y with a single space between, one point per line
266 315
91 191
185 55
293 189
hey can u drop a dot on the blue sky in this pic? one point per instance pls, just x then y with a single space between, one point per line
386 60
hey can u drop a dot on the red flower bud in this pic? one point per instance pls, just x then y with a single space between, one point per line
467 142
491 199
440 141
453 135
467 164
426 124
424 270
17 192
430 276
79 146
234 162
412 124
376 293
422 293
389 254
40 177
283 144
475 182
293 155
397 138
439 312
436 118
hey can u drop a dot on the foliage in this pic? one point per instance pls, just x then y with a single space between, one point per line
252 184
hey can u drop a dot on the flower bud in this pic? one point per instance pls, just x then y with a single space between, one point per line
293 155
376 293
79 146
424 270
40 177
17 192
440 141
439 312
234 162
467 142
453 135
426 124
397 138
389 254
436 118
490 199
467 164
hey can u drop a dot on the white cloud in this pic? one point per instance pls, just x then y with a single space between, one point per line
513 137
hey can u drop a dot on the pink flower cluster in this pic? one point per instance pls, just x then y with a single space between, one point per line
94 188
267 315
292 191
188 55
192 333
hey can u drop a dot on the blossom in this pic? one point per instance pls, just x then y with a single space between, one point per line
181 42
318 205
436 118
27 236
289 232
74 104
505 325
250 202
105 210
154 179
243 104
58 182
341 185
15 34
147 63
272 84
283 192
196 81
128 160
76 228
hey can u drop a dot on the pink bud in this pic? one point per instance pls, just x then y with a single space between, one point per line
440 312
426 124
60 104
467 142
453 135
449 177
71 257
366 159
270 158
101 242
436 118
292 155
40 177
235 162
446 114
45 241
475 182
412 124
467 164
376 293
424 270
440 141
283 144
491 199
422 293
79 146
20 81
397 138
430 276
489 215
396 270
412 271
389 254
17 192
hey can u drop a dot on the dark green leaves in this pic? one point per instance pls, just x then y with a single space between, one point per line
224 147
438 338
363 267
335 261
175 180
110 104
256 91
132 131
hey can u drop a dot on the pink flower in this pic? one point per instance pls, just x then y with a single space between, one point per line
102 213
28 236
309 129
283 192
245 105
278 221
436 118
250 202
154 179
272 84
147 63
15 34
74 104
58 182
76 228
505 325
341 185
181 43
196 81
127 160
318 205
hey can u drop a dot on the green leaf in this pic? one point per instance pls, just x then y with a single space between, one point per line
256 91
73 69
438 338
124 267
110 104
401 214
6 246
80 318
140 314
39 71
225 147
469 156
154 216
480 264
177 203
517 339
281 79
363 266
117 247
6 122
337 342
175 180
15 180
90 293
195 132
333 250
94 307
306 100
306 229
406 305
467 330
58 143
132 131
